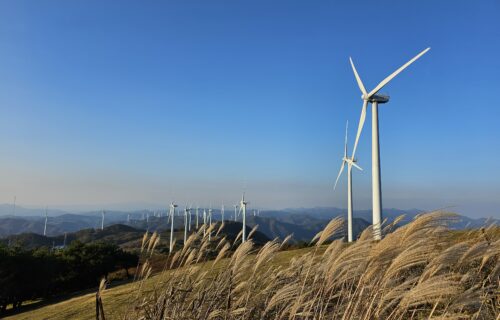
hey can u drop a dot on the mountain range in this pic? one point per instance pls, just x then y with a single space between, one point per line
303 223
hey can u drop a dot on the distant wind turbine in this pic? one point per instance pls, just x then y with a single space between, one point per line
243 208
209 221
350 163
376 99
102 221
204 221
197 217
186 212
172 214
235 212
222 211
45 226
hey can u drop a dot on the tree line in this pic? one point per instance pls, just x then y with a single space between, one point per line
41 273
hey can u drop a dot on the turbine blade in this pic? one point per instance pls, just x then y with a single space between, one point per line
360 127
345 145
395 73
357 167
340 173
358 79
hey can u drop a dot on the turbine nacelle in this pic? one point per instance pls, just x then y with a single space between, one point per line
379 98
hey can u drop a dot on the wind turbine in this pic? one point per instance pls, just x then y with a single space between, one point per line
172 214
235 212
376 99
350 163
45 226
189 219
222 211
204 221
102 221
209 221
243 208
197 208
186 212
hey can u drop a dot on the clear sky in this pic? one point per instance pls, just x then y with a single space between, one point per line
137 103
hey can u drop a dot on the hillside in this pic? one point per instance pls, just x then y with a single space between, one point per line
81 306
448 271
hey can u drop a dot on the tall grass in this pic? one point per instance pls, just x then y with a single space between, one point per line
417 271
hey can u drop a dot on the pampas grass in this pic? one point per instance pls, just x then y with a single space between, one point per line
417 271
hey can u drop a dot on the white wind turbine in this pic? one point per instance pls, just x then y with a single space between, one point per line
197 209
45 226
209 221
186 212
243 208
172 214
350 163
235 212
102 221
222 211
204 221
376 99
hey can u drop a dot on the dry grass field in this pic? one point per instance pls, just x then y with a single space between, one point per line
419 271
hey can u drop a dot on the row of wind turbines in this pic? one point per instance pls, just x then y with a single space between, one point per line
375 99
207 220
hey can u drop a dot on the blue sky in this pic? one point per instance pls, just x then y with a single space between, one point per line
136 103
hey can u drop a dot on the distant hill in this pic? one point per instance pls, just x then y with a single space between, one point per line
304 223
122 235
301 229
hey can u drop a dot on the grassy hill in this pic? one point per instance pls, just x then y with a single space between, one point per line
421 270
115 299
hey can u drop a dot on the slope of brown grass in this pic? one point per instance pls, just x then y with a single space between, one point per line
419 271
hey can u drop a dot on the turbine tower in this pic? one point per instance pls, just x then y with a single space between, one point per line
102 221
204 221
45 226
209 221
172 214
222 211
197 208
243 208
186 212
376 99
350 163
235 212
